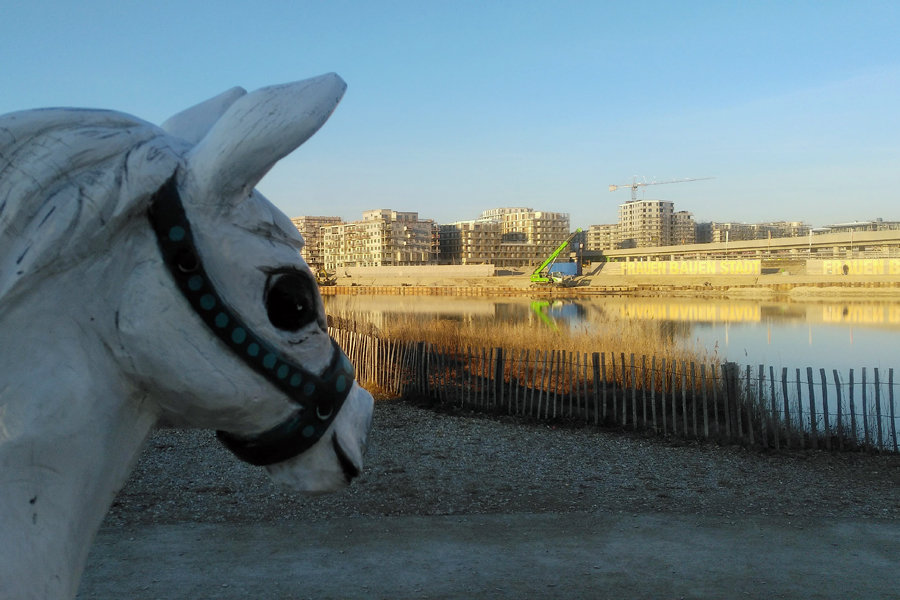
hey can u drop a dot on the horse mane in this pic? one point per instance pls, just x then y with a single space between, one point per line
68 177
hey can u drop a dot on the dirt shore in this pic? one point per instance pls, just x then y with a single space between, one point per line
789 285
463 506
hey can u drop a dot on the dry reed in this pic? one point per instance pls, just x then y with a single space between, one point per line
610 335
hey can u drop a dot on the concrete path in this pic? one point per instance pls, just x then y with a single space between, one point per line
502 556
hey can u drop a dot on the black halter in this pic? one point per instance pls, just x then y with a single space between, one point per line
319 397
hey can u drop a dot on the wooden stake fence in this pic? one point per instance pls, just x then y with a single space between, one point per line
656 394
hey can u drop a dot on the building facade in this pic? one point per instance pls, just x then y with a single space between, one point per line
646 223
684 229
470 242
311 230
528 236
602 237
383 237
716 232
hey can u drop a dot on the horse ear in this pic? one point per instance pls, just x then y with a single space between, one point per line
195 122
255 132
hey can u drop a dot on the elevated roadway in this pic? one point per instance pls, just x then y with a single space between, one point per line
858 244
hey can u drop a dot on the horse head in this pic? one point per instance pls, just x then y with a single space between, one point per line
242 344
144 279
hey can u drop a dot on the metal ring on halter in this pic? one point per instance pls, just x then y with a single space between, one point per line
319 397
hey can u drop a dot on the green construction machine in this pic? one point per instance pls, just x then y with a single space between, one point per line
542 274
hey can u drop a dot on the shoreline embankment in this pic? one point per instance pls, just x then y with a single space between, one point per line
781 285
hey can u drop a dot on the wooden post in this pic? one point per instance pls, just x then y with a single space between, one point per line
748 402
776 434
542 391
865 409
615 413
840 416
893 416
603 367
653 392
420 367
439 373
878 410
529 408
852 410
644 389
624 391
730 375
763 421
574 395
787 413
499 391
800 410
560 365
663 377
813 435
694 394
595 367
584 389
469 374
633 395
825 415
714 380
703 389
673 400
684 410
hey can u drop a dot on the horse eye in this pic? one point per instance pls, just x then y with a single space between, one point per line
289 301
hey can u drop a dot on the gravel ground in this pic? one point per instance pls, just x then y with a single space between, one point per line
422 462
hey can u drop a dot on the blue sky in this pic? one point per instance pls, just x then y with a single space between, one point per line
455 107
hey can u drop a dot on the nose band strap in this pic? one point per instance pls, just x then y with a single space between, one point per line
319 397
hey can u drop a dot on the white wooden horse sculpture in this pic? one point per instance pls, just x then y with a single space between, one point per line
142 278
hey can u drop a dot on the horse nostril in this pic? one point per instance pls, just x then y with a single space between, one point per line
350 470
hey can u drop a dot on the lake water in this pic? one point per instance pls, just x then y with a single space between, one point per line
819 334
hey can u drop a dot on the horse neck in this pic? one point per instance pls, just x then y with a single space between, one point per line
71 428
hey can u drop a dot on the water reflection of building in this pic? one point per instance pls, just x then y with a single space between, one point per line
701 311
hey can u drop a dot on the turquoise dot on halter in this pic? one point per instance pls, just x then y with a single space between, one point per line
283 371
308 431
309 389
221 320
253 349
176 233
195 283
238 335
269 361
296 380
341 384
207 301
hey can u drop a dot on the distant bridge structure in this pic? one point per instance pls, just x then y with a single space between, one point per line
844 245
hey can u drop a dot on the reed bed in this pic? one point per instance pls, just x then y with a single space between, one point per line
638 337
554 375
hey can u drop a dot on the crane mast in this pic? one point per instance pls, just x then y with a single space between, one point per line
635 184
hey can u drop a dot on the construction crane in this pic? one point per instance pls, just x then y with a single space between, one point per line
634 185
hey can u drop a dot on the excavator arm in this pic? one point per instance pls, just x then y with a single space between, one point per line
538 275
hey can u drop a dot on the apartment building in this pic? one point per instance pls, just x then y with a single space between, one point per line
528 235
473 242
311 230
645 223
383 237
716 232
684 229
602 237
